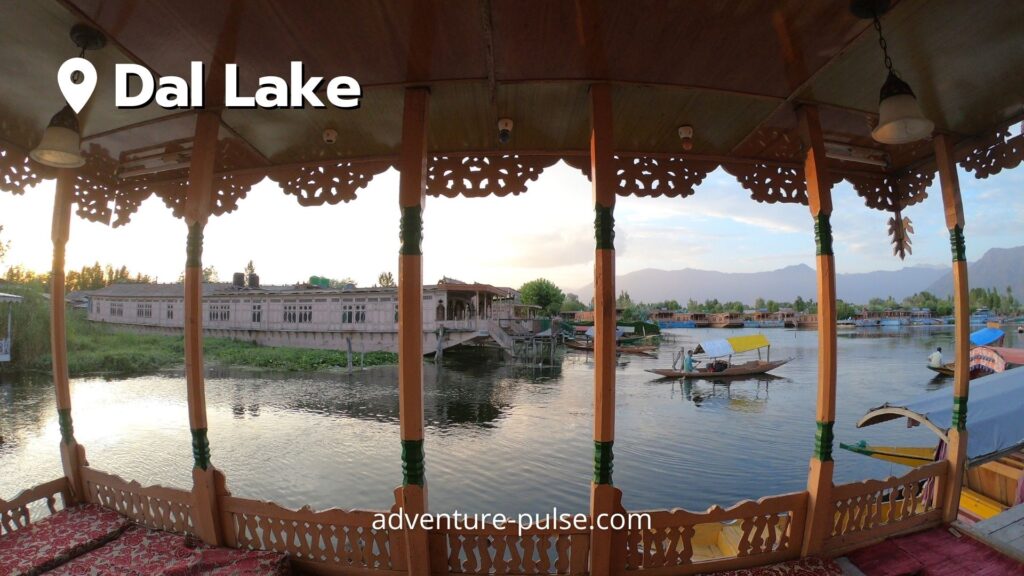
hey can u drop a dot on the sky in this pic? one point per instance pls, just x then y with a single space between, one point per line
545 232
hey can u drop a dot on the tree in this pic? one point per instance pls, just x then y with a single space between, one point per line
799 305
759 304
386 280
542 292
572 304
250 268
3 246
623 301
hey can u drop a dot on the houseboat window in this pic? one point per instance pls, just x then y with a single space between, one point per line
302 313
220 312
257 312
170 311
144 310
117 309
346 314
360 313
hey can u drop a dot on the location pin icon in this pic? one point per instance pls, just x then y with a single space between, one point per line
76 94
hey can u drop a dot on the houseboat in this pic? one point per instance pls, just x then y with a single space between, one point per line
478 100
673 319
762 319
312 316
727 320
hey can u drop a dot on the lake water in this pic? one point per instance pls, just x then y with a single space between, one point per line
499 438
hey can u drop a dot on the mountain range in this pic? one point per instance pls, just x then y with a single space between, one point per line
997 268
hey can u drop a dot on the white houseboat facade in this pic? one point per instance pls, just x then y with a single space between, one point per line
310 316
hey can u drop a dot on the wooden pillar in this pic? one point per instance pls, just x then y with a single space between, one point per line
603 496
198 202
819 196
72 456
956 450
412 496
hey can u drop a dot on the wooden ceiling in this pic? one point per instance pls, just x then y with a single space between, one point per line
733 69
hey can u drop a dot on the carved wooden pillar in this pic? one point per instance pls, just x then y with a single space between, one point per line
198 202
412 496
956 450
604 497
72 456
819 195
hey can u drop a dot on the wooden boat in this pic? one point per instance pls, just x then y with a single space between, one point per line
588 345
995 463
945 369
733 371
715 350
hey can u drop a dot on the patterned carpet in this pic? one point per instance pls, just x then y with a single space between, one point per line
934 552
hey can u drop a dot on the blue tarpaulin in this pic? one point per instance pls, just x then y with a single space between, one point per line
986 336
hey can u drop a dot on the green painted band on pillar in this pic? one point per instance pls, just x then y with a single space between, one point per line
412 462
194 246
960 412
823 234
956 242
603 462
823 439
201 448
67 430
411 231
604 227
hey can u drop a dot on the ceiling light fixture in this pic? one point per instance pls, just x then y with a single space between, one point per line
60 146
900 119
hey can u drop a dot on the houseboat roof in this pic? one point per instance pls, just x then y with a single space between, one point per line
9 297
532 62
176 290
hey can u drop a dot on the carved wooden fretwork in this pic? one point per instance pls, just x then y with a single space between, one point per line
319 184
579 162
647 176
479 176
771 183
998 152
891 192
900 229
17 171
96 185
767 529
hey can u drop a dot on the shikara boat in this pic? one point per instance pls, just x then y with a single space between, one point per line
588 345
945 369
985 337
995 451
715 350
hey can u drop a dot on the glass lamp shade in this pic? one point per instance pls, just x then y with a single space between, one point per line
899 117
61 143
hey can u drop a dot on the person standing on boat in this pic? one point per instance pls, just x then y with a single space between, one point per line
935 359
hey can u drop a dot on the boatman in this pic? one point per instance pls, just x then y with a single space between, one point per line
688 361
935 359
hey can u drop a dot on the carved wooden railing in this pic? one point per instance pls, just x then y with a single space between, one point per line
747 534
492 551
318 542
876 509
16 513
154 507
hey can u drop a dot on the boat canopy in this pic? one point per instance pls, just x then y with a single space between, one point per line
996 359
994 408
986 336
591 331
734 345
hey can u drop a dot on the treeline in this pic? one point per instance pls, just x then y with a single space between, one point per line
1001 303
87 278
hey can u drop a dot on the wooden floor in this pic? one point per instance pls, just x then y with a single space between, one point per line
1004 532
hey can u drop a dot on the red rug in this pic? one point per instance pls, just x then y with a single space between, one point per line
810 566
934 553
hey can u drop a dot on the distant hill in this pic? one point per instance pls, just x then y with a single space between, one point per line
997 268
783 285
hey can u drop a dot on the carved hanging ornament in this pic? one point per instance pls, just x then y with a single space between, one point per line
900 229
480 176
17 172
319 184
646 176
996 153
771 183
